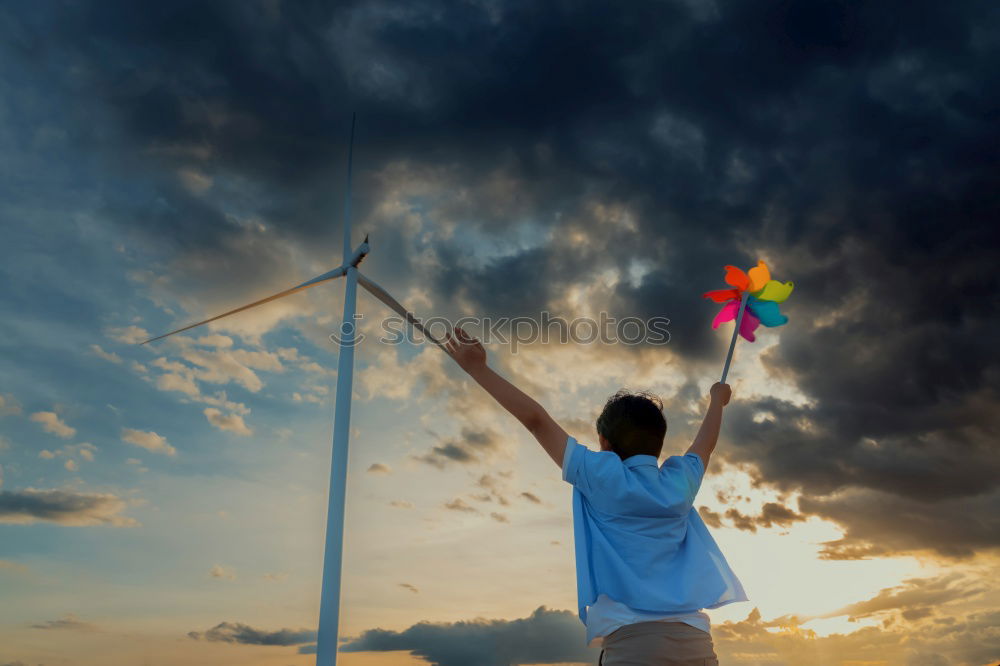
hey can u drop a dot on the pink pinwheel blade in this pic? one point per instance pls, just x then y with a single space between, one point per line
748 325
727 313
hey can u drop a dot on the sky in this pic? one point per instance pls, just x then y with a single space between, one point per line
163 162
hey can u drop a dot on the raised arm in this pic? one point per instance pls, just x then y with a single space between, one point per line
470 355
708 433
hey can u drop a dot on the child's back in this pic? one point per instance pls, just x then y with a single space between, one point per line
642 552
646 564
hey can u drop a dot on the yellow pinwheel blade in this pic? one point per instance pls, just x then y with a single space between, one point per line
775 291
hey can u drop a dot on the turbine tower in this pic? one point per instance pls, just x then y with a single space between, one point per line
329 610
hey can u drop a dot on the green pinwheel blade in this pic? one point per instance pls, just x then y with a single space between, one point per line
774 291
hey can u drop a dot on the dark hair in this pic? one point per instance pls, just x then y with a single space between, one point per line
633 423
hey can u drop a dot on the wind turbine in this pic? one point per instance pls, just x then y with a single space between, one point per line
329 610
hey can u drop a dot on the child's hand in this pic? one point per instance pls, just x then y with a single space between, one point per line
721 393
466 350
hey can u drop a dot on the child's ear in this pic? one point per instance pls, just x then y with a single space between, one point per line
605 444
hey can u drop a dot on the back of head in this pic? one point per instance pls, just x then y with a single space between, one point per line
633 423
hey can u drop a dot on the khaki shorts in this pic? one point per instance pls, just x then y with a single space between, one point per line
658 644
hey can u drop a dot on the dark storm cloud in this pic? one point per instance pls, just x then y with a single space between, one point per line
914 595
772 514
463 449
63 507
852 144
953 637
711 518
879 523
921 617
67 623
237 632
544 637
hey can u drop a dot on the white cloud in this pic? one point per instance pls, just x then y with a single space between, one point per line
276 577
148 440
137 464
387 377
219 571
219 341
194 181
9 405
129 334
84 451
52 423
288 353
218 366
220 399
107 356
182 383
231 422
222 367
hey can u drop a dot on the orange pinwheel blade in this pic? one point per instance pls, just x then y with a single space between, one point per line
759 276
737 278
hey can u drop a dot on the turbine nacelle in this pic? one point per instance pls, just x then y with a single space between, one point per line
360 253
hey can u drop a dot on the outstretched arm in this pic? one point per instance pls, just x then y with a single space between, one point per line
708 433
470 355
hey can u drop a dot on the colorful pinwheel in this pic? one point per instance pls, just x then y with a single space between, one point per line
753 300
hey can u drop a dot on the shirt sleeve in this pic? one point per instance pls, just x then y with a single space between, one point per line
686 473
588 470
567 456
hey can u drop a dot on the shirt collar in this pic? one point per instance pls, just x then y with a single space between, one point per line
640 459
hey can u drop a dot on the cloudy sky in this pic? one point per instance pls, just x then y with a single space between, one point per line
162 162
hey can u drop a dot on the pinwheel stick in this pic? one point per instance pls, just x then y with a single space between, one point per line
736 332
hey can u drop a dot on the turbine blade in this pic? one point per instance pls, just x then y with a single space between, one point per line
382 295
335 273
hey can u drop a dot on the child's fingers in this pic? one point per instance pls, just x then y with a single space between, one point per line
465 337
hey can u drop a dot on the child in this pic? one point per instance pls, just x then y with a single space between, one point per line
646 564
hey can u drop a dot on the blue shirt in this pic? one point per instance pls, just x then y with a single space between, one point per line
637 538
